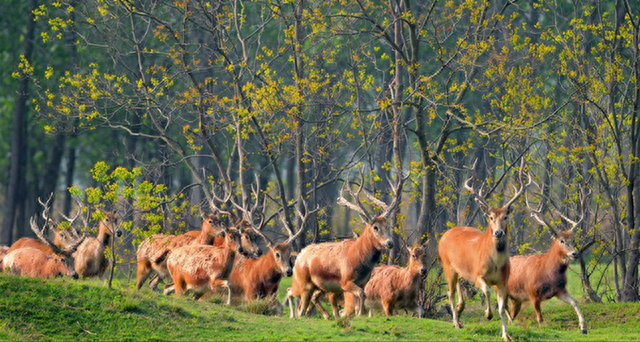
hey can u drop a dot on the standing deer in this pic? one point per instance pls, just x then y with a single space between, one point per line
480 257
151 248
344 267
201 269
33 262
395 286
260 278
90 259
537 278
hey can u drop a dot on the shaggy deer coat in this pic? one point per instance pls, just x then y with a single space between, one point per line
32 262
395 286
340 267
151 248
202 268
62 238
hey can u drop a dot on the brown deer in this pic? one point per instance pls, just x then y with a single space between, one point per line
537 278
201 269
480 257
90 258
62 238
151 248
33 262
344 267
260 278
395 286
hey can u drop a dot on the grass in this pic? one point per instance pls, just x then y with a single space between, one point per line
63 309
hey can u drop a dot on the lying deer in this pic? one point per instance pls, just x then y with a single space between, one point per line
33 262
62 238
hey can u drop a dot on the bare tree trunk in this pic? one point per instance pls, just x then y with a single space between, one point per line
586 282
16 185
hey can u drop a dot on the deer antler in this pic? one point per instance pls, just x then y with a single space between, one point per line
358 206
537 213
583 198
477 196
42 235
522 185
397 194
303 219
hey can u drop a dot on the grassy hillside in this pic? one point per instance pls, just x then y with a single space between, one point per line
63 309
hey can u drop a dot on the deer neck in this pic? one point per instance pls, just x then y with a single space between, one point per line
104 236
501 245
555 258
365 244
205 239
267 265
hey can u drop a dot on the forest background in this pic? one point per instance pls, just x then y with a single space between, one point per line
158 109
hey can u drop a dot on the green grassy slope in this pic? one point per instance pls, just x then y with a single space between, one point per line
63 309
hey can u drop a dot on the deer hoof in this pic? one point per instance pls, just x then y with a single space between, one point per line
584 331
457 325
507 338
489 315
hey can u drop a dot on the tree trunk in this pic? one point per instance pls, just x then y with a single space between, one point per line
586 282
16 184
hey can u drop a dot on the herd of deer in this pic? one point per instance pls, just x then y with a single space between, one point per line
222 256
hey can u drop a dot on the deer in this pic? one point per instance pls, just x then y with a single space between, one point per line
201 269
395 286
537 278
343 268
151 248
260 278
34 262
90 259
480 257
62 238
248 248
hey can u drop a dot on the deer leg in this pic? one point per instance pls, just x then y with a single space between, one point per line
461 304
515 309
501 294
315 299
333 299
358 294
536 306
291 301
387 307
419 310
485 289
452 283
178 286
304 302
153 283
566 297
144 270
214 283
